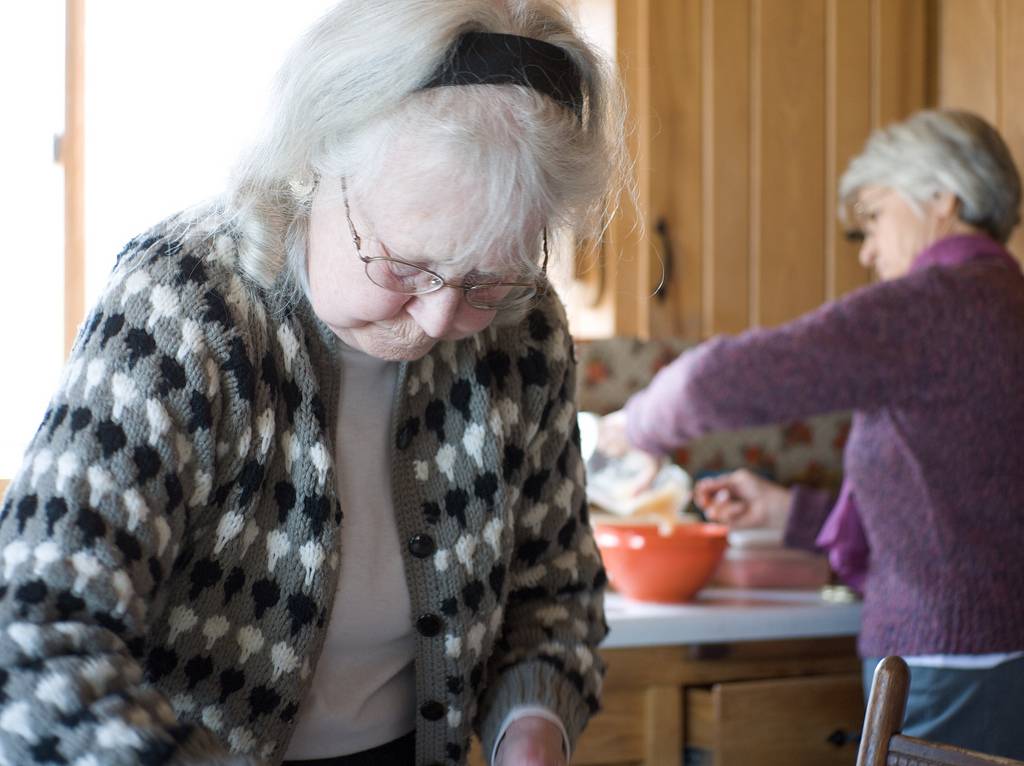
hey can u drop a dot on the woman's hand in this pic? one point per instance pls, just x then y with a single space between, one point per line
612 438
613 441
531 741
743 499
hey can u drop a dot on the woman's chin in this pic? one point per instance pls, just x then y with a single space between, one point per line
405 354
397 349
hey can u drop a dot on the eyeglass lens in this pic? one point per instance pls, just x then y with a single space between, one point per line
401 277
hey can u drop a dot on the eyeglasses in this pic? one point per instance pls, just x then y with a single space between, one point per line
406 278
865 211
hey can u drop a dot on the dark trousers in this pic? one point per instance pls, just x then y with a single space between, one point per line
976 709
397 752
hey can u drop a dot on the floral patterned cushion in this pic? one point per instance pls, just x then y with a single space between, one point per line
808 451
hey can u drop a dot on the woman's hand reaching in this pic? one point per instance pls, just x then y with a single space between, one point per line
613 441
612 436
743 499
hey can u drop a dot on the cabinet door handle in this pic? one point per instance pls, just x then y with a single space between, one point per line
661 226
841 737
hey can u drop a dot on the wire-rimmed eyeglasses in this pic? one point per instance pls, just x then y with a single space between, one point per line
864 212
400 276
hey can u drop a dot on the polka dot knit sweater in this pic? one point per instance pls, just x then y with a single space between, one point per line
169 550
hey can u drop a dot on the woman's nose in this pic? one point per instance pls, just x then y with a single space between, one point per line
435 312
867 253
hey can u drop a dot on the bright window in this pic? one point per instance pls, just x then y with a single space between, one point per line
173 92
31 219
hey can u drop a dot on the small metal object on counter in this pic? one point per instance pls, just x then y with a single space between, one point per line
839 594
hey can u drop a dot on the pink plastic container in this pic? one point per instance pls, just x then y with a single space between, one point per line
756 559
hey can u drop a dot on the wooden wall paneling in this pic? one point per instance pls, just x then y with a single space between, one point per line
848 123
675 169
754 198
968 58
789 95
727 172
745 114
1011 79
901 77
626 237
72 150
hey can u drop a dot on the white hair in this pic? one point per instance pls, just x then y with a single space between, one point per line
350 92
941 151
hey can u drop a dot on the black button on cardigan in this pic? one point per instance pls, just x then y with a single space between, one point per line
429 625
422 545
432 710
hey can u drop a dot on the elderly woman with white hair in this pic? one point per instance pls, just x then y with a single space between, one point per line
930 521
311 488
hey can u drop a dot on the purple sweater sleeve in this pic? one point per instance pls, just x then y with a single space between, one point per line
863 351
808 510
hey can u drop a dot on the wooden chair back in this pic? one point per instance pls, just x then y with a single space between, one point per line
881 744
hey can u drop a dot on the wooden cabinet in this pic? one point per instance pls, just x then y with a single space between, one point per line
745 113
723 702
980 67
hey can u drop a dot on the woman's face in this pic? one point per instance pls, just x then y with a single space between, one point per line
895 232
415 222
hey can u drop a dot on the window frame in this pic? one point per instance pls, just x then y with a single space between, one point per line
71 157
69 154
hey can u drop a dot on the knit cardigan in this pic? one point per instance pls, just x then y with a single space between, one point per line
170 549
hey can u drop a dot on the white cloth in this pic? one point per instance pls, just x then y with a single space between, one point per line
961 661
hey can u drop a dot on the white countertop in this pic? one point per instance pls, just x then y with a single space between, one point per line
721 615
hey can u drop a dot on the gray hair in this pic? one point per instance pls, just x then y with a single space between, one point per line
941 151
350 92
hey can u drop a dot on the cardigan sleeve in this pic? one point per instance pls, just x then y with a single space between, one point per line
808 510
90 530
870 349
554 620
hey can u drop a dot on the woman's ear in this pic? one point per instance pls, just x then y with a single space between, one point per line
945 205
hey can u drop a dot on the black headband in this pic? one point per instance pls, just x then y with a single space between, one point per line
489 58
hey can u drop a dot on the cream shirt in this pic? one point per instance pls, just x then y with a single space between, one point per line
364 686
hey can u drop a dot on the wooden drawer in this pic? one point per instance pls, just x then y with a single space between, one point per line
787 722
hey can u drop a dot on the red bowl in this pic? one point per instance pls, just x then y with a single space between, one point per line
648 562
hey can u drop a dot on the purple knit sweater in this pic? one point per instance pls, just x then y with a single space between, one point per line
933 366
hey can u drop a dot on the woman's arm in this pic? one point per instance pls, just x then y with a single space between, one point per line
872 348
554 620
90 531
808 510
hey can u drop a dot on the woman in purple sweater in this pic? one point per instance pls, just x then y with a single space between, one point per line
931 359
